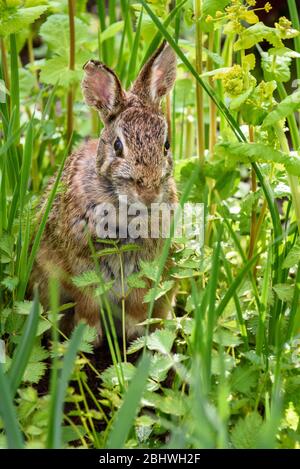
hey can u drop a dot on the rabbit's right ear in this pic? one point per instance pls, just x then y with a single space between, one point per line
102 89
157 76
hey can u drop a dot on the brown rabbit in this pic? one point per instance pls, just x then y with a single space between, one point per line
131 158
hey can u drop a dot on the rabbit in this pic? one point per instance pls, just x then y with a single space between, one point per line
132 157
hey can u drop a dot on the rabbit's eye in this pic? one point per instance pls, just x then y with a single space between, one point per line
118 147
166 146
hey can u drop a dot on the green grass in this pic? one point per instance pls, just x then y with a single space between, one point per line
223 372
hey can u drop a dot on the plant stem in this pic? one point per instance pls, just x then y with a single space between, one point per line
253 213
70 98
14 76
293 180
4 63
199 89
212 106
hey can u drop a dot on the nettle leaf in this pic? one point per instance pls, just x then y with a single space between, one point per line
172 403
135 281
244 434
243 379
34 372
276 67
284 291
110 376
56 32
227 338
86 279
257 33
56 70
149 269
236 152
88 337
10 283
161 341
15 19
136 345
159 291
293 256
283 109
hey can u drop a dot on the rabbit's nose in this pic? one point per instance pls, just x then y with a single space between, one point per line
149 196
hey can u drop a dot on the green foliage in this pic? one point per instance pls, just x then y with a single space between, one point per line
228 352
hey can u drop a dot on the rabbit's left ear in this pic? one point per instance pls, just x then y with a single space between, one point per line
157 76
102 89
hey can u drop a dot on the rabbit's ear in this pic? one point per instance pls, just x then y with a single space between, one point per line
157 76
102 89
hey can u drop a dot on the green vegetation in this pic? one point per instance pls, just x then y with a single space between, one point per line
224 371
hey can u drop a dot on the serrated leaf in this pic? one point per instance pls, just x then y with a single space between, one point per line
293 256
110 377
154 293
88 337
171 403
34 372
86 279
259 32
284 291
161 341
16 19
10 283
135 281
283 109
276 67
243 379
244 434
56 33
234 153
136 345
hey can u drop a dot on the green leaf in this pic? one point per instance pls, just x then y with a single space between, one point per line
293 256
257 33
88 337
86 279
34 372
234 153
244 434
126 414
276 67
135 281
161 290
110 375
284 291
161 341
56 33
171 403
111 30
15 19
283 109
243 379
56 70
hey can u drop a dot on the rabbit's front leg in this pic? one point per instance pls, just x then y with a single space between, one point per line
88 310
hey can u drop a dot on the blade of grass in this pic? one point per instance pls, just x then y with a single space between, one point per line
14 76
124 418
54 438
24 348
132 63
8 414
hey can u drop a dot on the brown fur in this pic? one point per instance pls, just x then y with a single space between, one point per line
95 174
